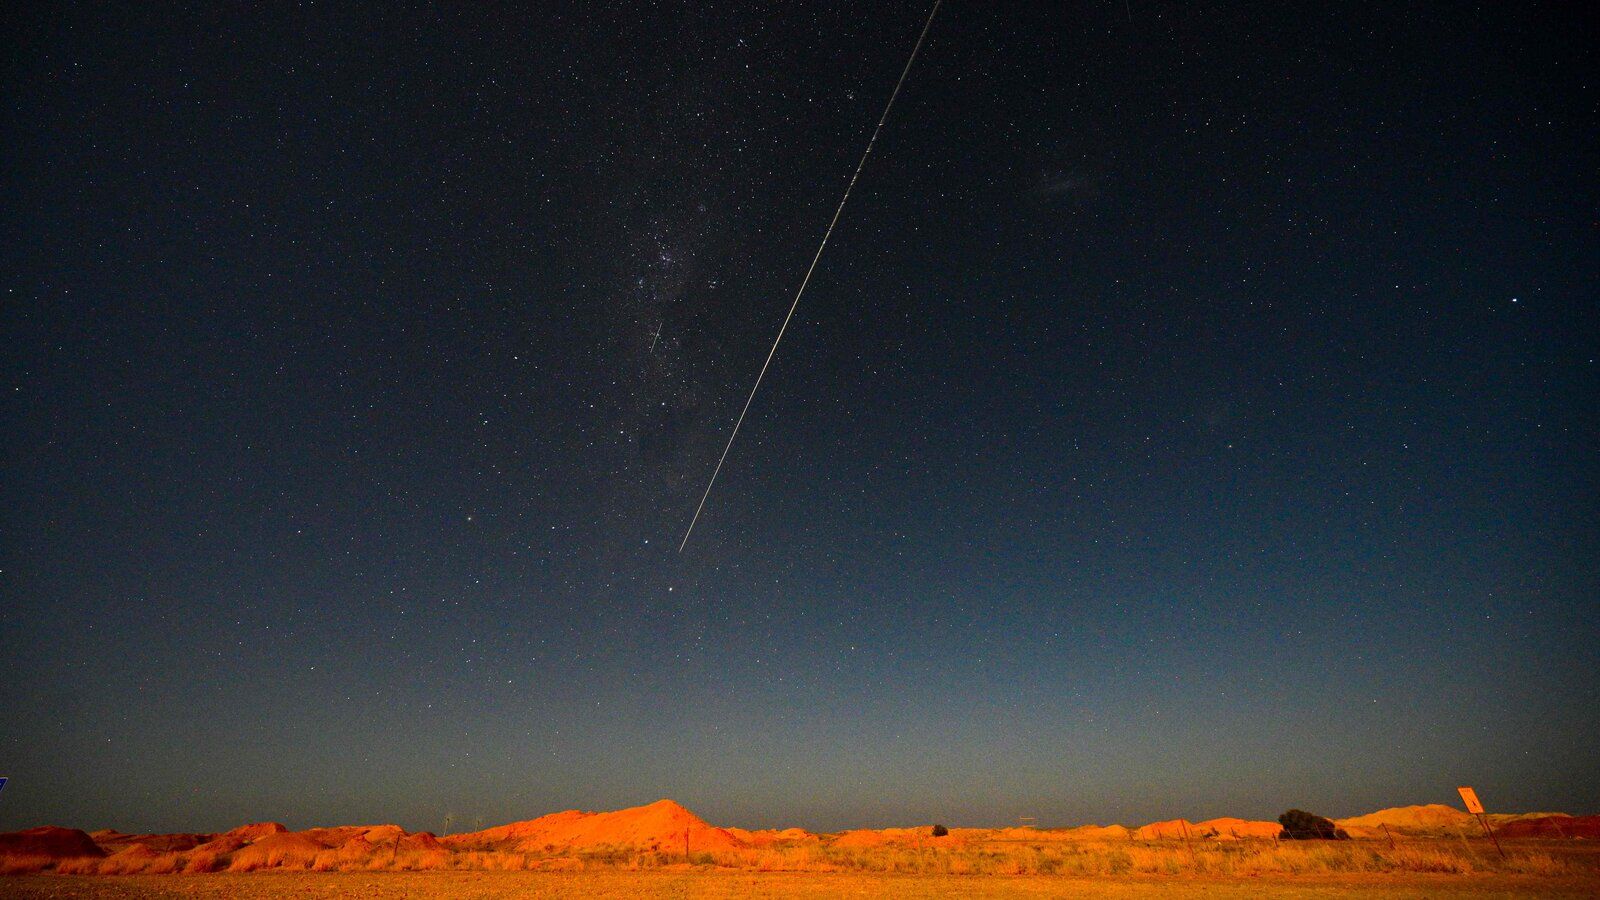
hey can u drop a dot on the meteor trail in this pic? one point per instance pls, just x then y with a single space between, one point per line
812 268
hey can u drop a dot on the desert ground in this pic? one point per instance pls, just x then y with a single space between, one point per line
722 883
663 849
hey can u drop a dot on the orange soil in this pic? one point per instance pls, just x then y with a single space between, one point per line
553 840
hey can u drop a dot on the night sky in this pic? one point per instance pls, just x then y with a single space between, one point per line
1194 413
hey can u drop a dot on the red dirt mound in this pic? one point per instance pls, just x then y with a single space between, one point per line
1165 831
1230 829
1434 815
255 830
1097 833
768 837
862 837
334 837
50 841
1552 827
137 859
384 834
280 850
422 840
357 849
662 825
229 841
866 837
111 840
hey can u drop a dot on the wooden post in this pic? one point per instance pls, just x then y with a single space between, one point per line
686 845
1484 821
1475 806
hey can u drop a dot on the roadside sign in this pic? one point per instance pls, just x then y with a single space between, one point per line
1475 806
3 781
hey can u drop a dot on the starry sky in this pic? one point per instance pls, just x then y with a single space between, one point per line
1193 414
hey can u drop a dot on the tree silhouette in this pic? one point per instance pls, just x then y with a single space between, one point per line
1299 825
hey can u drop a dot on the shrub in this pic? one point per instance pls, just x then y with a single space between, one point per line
1299 825
940 831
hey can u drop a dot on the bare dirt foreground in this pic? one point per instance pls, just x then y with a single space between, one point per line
714 883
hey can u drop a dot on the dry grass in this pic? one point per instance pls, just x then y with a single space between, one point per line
202 861
24 863
1225 860
1233 859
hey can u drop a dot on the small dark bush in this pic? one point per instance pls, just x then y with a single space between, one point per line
1299 825
940 831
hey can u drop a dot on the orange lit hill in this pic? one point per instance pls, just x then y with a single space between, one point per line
111 841
665 833
662 825
1099 833
49 841
1226 829
1436 819
770 837
1551 826
1434 815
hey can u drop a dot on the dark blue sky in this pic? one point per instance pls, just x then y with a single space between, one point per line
1194 413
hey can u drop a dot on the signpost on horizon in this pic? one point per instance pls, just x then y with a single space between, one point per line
1475 806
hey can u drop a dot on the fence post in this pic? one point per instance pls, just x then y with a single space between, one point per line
1192 860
